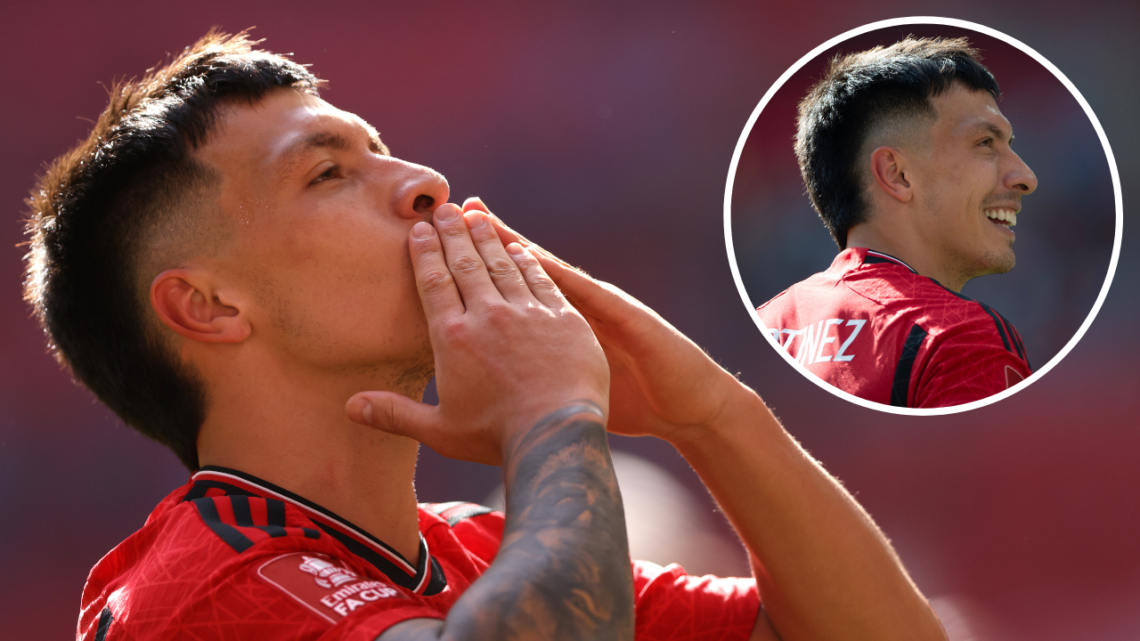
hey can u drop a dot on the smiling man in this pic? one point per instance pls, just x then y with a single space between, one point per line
907 160
243 272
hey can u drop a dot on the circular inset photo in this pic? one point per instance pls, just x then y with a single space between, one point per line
923 215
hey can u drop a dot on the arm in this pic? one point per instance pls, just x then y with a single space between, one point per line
824 569
521 381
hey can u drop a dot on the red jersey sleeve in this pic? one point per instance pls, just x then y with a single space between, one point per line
671 605
968 363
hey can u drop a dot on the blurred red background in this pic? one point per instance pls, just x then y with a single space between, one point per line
605 133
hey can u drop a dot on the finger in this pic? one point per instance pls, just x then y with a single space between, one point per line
464 262
508 236
503 271
576 281
475 203
399 415
556 268
395 414
436 286
541 286
592 297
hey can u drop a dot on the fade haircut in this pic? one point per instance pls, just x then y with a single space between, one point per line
102 210
862 93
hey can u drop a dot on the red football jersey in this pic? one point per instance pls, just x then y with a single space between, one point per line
872 326
229 556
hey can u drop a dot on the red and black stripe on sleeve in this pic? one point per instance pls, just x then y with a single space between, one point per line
900 386
240 519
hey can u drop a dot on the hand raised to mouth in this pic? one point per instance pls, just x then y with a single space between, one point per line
661 383
823 568
508 346
522 382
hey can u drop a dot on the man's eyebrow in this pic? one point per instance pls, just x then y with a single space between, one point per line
295 153
374 139
990 127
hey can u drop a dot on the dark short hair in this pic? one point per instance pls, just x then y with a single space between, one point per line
99 206
860 91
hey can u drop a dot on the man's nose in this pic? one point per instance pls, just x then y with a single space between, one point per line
419 191
1020 177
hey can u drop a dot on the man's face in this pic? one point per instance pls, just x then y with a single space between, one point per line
322 213
969 185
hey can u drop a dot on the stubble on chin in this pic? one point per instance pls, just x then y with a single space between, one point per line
999 262
1002 262
415 376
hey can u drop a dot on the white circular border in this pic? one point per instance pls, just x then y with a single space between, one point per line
924 20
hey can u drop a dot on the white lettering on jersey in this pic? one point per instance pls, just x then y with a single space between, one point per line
792 334
312 579
824 338
816 337
858 324
807 345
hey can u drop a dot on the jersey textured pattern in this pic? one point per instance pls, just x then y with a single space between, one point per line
873 327
229 556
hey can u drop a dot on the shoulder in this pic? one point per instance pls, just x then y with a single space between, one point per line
478 529
973 353
856 278
820 283
896 286
200 536
241 522
943 314
239 566
961 322
196 552
806 294
672 604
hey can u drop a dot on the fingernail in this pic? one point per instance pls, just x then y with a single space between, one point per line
422 230
447 212
362 408
516 249
474 219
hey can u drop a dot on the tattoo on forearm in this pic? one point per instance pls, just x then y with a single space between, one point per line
563 568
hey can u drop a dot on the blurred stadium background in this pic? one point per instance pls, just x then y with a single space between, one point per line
605 132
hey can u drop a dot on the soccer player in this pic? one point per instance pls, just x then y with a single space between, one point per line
244 273
907 160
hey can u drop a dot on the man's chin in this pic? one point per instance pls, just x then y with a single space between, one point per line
1002 264
413 381
1004 267
994 263
1007 262
416 374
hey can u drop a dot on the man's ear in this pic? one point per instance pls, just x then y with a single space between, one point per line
888 167
187 302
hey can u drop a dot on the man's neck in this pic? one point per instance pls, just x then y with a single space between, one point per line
287 425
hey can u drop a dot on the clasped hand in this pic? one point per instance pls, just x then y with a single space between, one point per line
661 383
509 348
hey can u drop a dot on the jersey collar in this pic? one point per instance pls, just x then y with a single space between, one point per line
871 257
424 578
